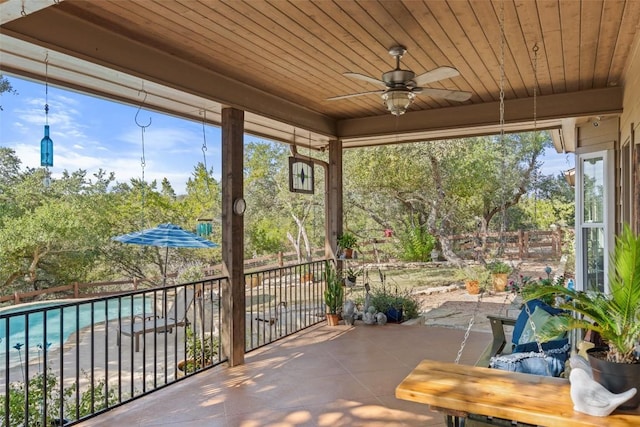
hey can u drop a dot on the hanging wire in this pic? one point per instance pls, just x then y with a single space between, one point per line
535 126
204 151
46 88
143 161
503 202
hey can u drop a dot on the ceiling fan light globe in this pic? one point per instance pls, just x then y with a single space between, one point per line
397 101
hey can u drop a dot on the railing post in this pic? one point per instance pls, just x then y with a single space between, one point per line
280 259
16 298
526 244
76 290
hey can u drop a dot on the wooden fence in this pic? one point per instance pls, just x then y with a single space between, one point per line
518 245
522 244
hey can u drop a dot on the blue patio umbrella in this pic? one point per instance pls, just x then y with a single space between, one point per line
166 236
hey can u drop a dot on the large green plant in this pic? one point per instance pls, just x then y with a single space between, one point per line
615 316
334 293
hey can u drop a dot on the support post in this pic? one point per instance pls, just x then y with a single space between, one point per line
233 290
333 199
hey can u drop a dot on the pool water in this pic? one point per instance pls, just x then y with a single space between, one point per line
60 322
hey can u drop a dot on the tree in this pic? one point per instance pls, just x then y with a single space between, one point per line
449 187
283 216
5 86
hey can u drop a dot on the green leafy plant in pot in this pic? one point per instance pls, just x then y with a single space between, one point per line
500 273
201 350
346 242
476 278
333 294
615 317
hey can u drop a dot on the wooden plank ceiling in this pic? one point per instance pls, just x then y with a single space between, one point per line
297 51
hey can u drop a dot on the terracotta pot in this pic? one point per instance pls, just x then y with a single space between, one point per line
615 377
473 287
332 319
500 281
348 253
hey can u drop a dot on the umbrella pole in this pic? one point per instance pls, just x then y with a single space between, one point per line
164 282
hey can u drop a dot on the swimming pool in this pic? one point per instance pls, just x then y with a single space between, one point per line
63 318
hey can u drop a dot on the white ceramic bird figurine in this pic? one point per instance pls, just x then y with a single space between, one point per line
591 398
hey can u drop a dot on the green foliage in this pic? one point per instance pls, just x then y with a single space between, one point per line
334 292
201 350
347 240
266 236
615 316
92 400
416 243
384 301
475 273
498 267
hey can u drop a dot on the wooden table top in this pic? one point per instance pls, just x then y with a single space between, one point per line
526 398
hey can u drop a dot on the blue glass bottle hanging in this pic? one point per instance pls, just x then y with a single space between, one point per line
46 149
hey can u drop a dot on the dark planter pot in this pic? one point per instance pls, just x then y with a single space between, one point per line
615 377
394 315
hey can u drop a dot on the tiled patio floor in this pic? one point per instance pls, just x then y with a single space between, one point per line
323 376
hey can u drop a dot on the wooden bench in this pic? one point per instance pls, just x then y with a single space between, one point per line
460 390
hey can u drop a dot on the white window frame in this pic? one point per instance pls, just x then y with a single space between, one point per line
607 224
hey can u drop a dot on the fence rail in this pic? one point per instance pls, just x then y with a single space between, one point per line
520 244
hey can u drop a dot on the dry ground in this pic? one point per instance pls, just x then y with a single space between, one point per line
451 306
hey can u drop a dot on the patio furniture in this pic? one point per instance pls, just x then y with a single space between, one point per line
556 351
460 390
174 317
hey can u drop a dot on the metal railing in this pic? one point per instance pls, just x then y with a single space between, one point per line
283 301
67 361
64 361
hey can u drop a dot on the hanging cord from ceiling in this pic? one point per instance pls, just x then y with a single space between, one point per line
204 150
535 127
143 161
503 144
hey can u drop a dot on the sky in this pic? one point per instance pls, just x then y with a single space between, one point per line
91 133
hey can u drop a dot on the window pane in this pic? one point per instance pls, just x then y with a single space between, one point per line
593 190
594 259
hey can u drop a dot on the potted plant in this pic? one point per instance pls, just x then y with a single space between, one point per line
615 317
346 242
351 275
200 350
500 273
476 278
333 294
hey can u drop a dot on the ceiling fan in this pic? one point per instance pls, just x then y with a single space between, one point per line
403 85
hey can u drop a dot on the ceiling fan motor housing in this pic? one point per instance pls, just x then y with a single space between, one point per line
398 78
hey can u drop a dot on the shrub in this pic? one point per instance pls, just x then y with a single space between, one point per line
416 244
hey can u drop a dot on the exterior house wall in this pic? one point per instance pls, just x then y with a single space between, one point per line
630 140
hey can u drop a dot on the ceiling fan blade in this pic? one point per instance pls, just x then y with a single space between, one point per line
439 73
351 95
365 78
451 95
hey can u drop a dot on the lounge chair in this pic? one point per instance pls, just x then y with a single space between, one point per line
175 316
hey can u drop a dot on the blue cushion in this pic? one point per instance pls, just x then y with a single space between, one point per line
523 317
